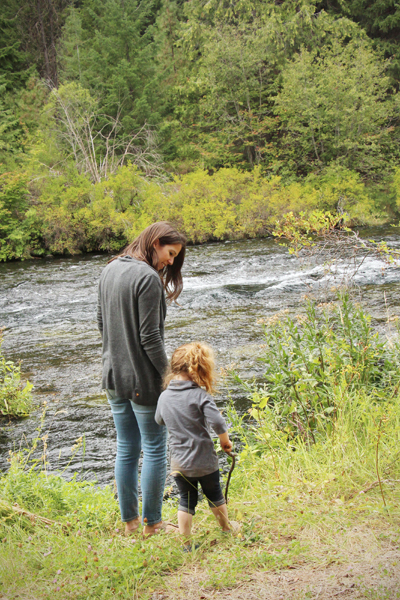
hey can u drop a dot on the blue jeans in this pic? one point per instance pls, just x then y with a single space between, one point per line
137 429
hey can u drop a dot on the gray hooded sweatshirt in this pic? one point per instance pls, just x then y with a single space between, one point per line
130 314
185 408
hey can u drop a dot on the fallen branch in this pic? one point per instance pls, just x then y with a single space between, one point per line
15 508
370 486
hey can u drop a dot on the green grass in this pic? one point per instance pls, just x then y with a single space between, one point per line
310 506
307 500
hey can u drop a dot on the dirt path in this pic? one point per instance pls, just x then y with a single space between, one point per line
375 577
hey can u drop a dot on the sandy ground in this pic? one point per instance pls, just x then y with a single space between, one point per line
372 575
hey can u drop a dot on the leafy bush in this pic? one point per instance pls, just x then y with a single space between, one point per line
77 216
235 204
17 231
315 360
64 213
15 398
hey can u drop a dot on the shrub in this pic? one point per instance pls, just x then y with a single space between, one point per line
17 231
15 397
65 213
314 360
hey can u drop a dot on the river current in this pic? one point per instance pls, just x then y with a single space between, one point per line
48 310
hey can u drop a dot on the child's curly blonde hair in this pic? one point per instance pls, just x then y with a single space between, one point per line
197 361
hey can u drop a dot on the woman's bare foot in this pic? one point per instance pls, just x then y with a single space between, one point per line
132 526
149 530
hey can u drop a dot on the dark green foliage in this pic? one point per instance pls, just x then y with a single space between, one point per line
14 63
107 47
28 35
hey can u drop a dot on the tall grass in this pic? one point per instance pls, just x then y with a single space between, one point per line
360 455
324 426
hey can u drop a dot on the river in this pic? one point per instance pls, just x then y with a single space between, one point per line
48 309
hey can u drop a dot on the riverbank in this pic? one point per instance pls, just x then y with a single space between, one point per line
310 520
316 488
66 214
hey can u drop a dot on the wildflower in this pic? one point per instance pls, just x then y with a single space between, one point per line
59 572
78 443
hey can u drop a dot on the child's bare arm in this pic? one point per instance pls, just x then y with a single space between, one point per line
225 442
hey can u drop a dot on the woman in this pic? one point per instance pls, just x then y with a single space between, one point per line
130 315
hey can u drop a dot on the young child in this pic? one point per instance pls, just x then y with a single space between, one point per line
184 407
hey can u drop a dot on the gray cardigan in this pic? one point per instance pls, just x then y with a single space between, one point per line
186 409
131 311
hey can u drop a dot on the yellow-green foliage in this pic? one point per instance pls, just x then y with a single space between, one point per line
79 216
64 212
15 232
15 396
234 204
342 190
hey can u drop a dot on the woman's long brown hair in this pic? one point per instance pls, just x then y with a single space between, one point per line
142 248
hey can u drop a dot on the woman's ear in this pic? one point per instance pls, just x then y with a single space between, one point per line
156 244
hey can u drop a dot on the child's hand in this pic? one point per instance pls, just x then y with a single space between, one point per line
227 447
225 442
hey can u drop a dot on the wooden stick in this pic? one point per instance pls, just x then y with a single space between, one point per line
31 516
370 486
229 475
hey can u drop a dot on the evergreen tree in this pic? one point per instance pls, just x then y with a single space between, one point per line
107 45
35 25
16 66
380 19
224 99
334 106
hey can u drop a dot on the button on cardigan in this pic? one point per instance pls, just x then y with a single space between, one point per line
131 311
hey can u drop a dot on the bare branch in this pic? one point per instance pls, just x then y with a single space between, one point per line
96 140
